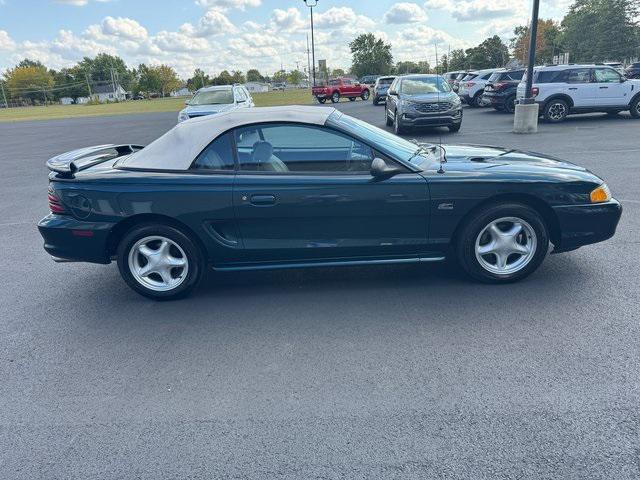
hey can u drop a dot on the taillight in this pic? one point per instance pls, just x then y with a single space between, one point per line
55 205
499 85
470 84
535 91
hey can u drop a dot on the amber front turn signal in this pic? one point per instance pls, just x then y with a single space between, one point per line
600 194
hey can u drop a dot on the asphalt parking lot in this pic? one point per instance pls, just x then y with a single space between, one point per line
355 373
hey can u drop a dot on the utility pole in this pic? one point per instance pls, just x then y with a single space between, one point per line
4 95
526 115
86 76
308 59
311 4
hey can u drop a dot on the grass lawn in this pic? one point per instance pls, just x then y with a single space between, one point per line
289 97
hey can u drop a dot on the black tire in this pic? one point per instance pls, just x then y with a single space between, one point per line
474 226
556 111
476 102
499 108
322 100
375 101
388 121
510 104
635 107
365 95
455 128
192 252
335 97
398 128
352 99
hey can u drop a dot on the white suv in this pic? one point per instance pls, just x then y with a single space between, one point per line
216 99
564 89
472 87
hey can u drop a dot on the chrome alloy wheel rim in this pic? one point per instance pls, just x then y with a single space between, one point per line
158 263
638 107
506 246
557 111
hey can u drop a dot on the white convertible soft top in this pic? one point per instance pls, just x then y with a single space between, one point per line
177 148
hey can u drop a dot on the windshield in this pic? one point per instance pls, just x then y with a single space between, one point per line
385 81
420 85
214 97
384 141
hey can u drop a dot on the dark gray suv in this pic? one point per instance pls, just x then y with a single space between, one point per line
422 101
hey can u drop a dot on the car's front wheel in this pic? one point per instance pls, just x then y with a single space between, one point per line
160 261
510 104
503 243
365 95
322 100
556 111
387 119
335 98
635 108
398 128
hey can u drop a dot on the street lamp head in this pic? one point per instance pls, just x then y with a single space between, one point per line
310 3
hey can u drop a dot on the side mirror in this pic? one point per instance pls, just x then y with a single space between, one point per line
392 92
186 102
240 100
623 79
380 170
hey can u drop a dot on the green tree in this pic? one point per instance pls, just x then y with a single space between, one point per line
600 30
237 77
338 72
225 78
548 42
253 75
491 53
198 80
29 80
407 67
99 69
168 79
294 77
458 60
70 82
370 56
149 80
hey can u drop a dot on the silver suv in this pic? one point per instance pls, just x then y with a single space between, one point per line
216 99
561 90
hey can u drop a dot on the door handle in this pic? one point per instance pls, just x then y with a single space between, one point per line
603 88
263 200
573 88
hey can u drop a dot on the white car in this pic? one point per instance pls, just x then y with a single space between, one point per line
561 90
216 99
472 87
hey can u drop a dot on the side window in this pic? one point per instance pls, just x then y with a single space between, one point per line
606 75
578 75
217 156
347 81
515 75
240 96
300 149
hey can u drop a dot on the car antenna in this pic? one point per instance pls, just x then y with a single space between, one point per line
442 154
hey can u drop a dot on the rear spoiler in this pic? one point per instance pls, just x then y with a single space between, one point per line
67 164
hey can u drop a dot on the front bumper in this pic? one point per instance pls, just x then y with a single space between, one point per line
71 239
586 224
412 118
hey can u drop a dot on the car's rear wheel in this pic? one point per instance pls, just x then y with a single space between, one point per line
510 104
635 108
160 262
335 98
503 243
365 95
477 101
556 111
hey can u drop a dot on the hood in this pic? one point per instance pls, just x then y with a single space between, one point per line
207 109
430 97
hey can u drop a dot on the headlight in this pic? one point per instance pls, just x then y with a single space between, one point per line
182 116
600 194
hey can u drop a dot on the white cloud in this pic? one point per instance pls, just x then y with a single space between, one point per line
404 12
340 17
213 22
6 42
179 42
75 3
476 10
123 27
229 4
289 20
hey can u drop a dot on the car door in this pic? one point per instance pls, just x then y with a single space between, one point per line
609 89
392 98
305 193
576 82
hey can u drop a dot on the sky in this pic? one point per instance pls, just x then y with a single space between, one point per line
240 34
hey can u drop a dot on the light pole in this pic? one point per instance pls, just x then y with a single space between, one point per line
311 4
526 115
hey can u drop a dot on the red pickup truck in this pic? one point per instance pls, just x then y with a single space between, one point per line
341 87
